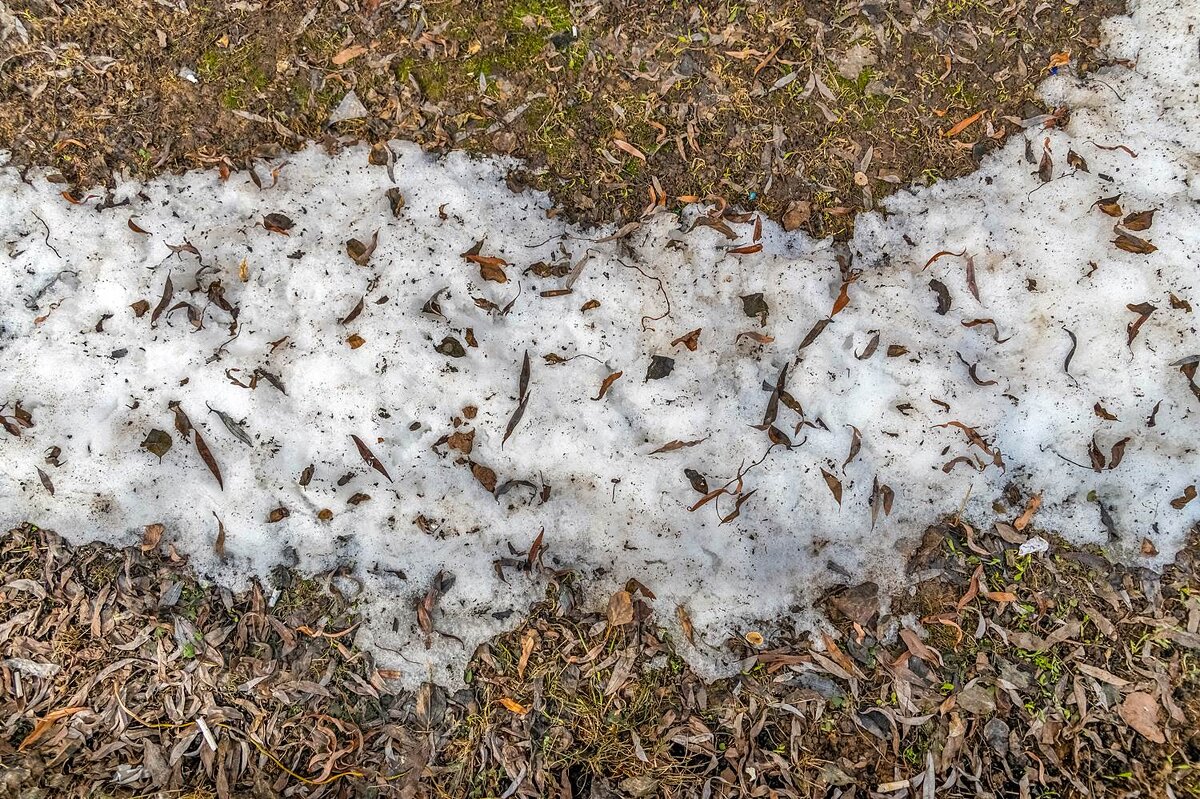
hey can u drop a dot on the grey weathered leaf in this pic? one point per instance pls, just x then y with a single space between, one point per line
157 442
660 367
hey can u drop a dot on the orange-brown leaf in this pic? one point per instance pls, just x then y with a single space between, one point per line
961 126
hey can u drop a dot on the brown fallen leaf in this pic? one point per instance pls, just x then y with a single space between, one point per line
963 125
690 340
359 251
462 440
369 457
1141 220
1046 167
485 476
1140 711
626 147
941 254
1130 243
685 624
47 483
209 461
490 266
219 544
151 535
1188 495
607 384
278 223
671 446
835 486
813 332
348 54
1031 508
513 706
917 647
620 609
491 269
1109 205
355 341
1143 310
753 336
47 721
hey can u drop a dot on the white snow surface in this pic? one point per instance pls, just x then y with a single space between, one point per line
1044 263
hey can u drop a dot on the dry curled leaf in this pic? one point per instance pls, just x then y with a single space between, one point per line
690 340
485 476
1031 508
46 722
1130 243
753 336
1141 220
1143 310
151 535
490 267
1181 501
360 252
1109 205
963 125
607 384
835 486
278 223
209 461
671 446
368 456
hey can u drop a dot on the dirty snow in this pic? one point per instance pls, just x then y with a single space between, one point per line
96 378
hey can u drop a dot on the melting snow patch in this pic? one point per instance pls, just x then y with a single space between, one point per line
415 381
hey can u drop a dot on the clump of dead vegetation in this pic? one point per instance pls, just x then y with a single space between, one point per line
1001 674
806 111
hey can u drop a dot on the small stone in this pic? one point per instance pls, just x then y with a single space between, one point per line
996 731
660 367
505 141
976 699
638 786
349 108
451 348
378 156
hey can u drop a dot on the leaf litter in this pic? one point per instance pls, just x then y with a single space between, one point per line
882 500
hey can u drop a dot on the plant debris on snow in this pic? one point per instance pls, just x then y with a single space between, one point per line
706 446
